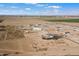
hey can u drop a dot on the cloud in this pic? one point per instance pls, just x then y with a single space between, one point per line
34 3
14 7
6 10
12 12
49 12
40 5
54 7
27 8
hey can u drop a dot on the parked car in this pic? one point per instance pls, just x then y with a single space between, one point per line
47 36
51 36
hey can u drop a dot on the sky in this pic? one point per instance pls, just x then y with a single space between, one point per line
47 9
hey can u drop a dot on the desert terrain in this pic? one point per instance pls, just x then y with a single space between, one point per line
22 36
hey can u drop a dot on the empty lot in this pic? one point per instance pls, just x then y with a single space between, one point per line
33 44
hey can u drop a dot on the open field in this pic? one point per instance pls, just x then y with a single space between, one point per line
21 35
65 20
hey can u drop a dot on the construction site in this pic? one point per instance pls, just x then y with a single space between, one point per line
31 36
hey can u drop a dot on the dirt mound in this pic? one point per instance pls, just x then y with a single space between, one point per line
12 33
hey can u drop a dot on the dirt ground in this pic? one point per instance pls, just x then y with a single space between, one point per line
34 45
